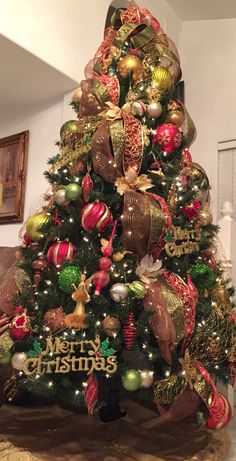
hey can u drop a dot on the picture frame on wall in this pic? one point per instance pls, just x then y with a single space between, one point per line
13 164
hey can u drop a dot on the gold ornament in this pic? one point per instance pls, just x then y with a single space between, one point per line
111 326
5 343
162 79
204 216
77 96
176 117
131 64
77 318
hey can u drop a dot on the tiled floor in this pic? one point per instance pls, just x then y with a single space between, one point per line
231 428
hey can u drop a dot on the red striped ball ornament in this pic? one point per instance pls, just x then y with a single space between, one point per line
60 251
96 215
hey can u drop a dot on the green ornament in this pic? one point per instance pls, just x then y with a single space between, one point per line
131 380
69 277
202 275
73 191
138 289
68 128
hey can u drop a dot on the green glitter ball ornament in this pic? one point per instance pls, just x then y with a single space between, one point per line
202 276
138 289
131 380
68 128
73 191
68 277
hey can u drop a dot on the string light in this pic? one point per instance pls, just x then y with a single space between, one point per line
50 384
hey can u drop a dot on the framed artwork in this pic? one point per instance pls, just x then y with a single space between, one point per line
13 162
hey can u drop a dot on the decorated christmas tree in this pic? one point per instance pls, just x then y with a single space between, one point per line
120 291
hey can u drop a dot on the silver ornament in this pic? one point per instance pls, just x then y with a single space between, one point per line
118 292
138 108
60 197
154 109
147 378
18 360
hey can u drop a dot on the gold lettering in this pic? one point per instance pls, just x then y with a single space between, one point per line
65 367
112 364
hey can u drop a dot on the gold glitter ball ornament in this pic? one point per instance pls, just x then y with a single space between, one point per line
111 326
54 319
162 79
204 216
131 64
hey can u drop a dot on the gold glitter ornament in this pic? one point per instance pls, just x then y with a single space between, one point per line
162 79
131 64
54 319
204 216
5 343
111 326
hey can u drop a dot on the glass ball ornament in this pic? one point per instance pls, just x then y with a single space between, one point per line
111 326
68 128
119 292
130 64
18 360
96 216
138 108
168 136
34 224
162 79
154 109
147 379
131 380
73 191
77 96
138 289
69 277
60 197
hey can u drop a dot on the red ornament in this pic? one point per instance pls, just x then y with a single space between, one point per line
26 240
129 331
105 263
96 215
191 210
60 251
100 280
87 185
20 326
168 136
91 393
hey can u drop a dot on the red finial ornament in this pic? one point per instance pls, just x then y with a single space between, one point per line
129 331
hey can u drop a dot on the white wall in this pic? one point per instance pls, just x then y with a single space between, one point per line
207 49
64 33
43 125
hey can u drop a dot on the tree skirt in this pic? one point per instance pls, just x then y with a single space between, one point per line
51 433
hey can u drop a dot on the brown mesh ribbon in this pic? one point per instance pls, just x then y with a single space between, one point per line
141 214
104 162
89 103
161 322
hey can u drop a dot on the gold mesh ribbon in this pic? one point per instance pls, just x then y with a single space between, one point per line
118 143
100 91
123 33
143 37
78 146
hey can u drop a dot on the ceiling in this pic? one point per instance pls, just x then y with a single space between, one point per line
27 81
192 10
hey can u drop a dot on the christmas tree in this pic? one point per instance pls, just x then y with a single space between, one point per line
119 288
